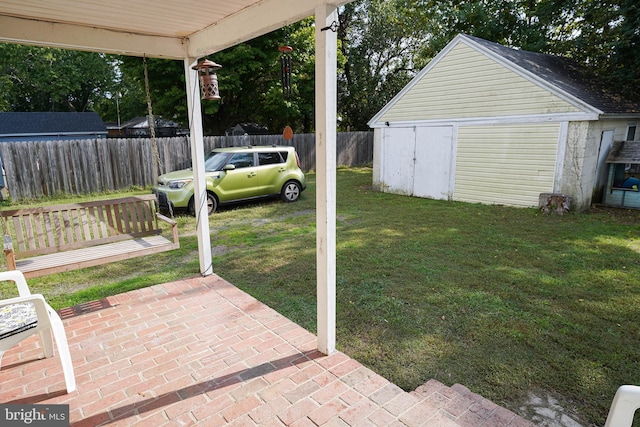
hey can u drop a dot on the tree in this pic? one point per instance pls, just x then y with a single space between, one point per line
250 83
380 42
599 34
382 45
47 79
166 88
607 40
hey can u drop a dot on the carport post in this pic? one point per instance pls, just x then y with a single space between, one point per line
197 162
326 99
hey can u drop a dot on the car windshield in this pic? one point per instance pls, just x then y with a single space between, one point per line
215 161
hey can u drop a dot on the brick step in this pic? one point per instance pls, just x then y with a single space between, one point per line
458 406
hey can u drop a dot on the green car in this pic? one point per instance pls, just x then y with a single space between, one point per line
236 174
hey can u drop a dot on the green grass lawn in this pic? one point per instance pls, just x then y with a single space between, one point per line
506 301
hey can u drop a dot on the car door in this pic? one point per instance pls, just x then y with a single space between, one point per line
241 180
271 172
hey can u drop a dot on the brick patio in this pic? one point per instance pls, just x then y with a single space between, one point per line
202 352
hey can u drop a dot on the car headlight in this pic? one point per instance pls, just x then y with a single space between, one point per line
178 184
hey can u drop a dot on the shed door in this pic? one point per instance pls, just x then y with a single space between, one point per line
602 166
398 160
507 164
433 153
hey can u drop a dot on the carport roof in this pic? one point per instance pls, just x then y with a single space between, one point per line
154 28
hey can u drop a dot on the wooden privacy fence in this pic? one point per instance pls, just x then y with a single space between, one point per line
35 169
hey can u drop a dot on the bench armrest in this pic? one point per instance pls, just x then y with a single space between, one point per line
166 219
174 226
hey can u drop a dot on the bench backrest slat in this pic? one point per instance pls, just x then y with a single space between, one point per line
110 221
86 222
39 234
148 216
56 228
75 224
17 226
118 217
28 227
139 213
48 226
103 226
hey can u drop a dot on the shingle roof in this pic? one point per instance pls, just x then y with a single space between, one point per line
566 75
50 123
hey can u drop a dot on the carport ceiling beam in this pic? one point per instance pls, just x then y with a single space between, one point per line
78 37
253 21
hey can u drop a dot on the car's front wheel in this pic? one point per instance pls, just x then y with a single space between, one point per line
291 191
212 204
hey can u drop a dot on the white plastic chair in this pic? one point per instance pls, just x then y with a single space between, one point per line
28 314
624 405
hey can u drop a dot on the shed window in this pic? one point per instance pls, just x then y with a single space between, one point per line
626 175
631 131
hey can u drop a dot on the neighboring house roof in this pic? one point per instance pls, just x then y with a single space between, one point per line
139 127
571 83
50 124
247 129
143 122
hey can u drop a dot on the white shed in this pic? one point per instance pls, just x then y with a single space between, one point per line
484 123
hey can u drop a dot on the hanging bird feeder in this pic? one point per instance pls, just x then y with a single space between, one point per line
208 79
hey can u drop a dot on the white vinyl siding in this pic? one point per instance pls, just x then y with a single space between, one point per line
466 84
506 164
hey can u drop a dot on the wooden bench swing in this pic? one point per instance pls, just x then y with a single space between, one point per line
55 239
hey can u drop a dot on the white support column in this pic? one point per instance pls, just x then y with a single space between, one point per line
197 159
326 100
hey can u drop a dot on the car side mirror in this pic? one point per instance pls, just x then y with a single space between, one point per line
229 167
